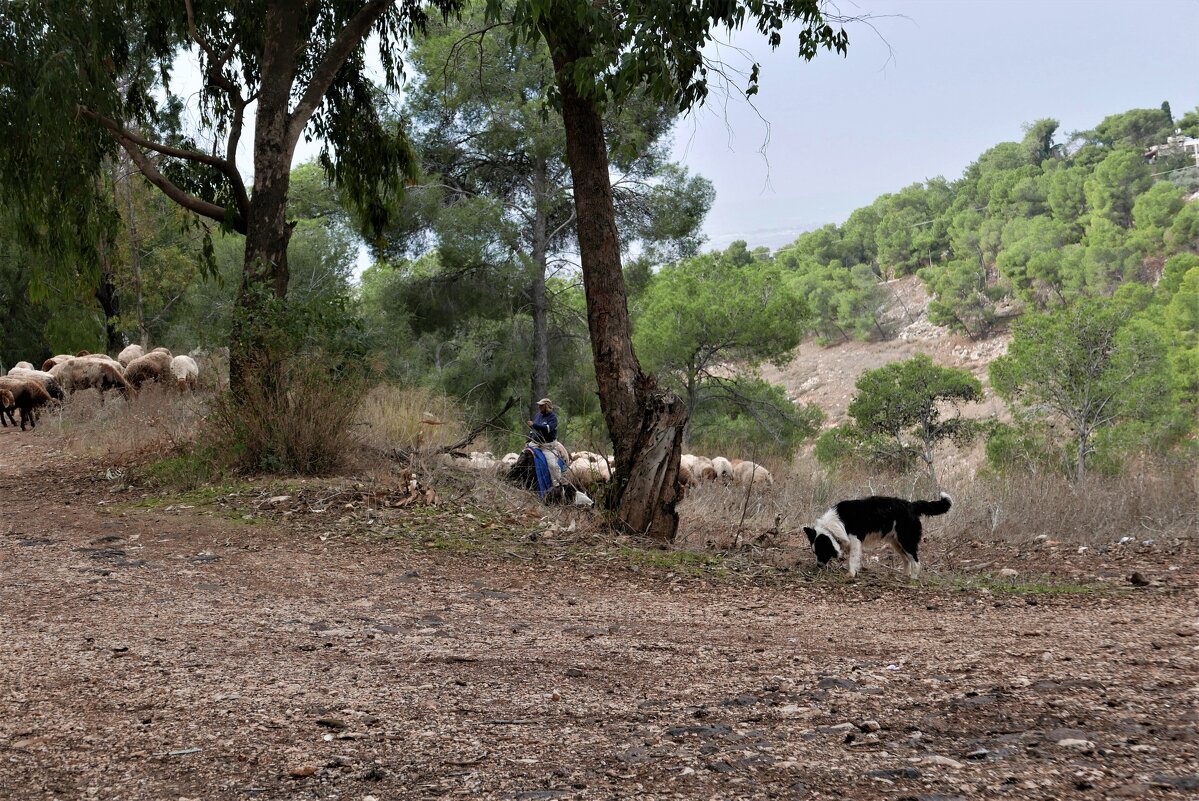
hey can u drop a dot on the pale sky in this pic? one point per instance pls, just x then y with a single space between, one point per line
960 76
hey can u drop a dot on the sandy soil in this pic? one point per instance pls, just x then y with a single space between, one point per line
152 651
825 376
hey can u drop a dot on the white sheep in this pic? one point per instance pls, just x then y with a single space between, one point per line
749 473
130 353
22 366
587 474
723 468
186 372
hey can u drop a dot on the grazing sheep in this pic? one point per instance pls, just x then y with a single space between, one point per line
7 404
130 353
56 360
186 372
152 367
746 473
723 468
587 474
89 373
700 467
27 394
49 382
685 477
22 366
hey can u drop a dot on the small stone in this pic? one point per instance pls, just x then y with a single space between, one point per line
331 723
1007 572
1077 744
303 772
936 759
1130 791
1137 580
1047 656
869 726
978 754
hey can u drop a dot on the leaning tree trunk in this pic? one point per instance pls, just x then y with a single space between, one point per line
645 423
265 273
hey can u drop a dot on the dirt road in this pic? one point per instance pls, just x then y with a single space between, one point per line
158 652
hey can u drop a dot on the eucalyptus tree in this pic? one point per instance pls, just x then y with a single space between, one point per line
78 81
603 54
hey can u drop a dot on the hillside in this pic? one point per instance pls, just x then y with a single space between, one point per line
825 376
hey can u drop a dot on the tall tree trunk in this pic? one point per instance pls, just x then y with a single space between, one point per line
135 257
110 302
265 272
541 339
645 423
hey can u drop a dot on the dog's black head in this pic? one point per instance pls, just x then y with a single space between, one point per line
824 546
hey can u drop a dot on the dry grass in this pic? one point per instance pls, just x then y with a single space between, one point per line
1152 498
391 418
158 420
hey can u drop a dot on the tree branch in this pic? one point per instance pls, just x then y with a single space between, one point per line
150 170
322 77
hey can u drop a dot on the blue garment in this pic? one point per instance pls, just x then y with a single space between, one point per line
542 470
545 427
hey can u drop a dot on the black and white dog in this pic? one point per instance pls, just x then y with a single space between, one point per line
892 521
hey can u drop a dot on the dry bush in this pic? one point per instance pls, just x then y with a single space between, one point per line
158 419
292 418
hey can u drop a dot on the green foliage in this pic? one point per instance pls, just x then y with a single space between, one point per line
897 410
752 417
1088 366
844 304
703 317
963 301
654 48
1025 448
1189 123
1137 128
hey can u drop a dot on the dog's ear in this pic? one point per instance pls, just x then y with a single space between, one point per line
811 532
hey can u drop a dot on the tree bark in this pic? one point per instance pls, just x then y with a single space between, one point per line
109 300
265 272
541 340
645 423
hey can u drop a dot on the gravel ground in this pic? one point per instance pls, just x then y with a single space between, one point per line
152 651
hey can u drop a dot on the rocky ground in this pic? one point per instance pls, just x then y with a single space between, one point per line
211 646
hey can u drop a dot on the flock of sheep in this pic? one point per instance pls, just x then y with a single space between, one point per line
587 471
26 389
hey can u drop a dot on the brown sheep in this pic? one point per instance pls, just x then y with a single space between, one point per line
49 382
7 404
91 373
56 360
152 367
27 395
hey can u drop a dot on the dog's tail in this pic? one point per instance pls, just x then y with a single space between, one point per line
938 507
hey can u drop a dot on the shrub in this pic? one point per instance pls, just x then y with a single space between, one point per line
291 416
